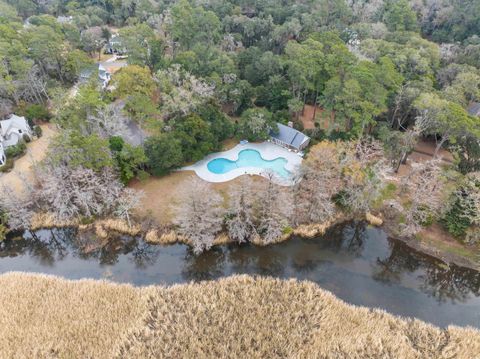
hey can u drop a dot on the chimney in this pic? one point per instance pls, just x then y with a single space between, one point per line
290 124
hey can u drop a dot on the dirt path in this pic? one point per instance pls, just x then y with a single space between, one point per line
36 151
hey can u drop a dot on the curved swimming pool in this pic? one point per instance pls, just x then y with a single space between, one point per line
249 158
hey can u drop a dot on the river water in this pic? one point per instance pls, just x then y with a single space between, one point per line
358 263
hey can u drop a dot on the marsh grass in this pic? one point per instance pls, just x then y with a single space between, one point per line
236 317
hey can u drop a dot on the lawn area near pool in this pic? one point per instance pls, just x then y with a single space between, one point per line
249 158
162 194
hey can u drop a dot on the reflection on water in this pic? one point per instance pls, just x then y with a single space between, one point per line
359 264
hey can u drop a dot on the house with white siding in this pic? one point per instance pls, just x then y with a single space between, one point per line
13 130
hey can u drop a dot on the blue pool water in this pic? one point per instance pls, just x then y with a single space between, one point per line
249 158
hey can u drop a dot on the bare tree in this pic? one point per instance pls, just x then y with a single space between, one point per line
181 92
127 202
425 189
19 209
273 211
199 215
240 216
73 192
320 177
109 121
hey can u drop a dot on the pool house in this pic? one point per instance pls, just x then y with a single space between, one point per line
290 138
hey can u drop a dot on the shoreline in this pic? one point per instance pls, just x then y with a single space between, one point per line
153 234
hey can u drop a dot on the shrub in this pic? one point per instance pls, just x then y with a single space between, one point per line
3 232
37 131
7 167
16 151
37 112
455 221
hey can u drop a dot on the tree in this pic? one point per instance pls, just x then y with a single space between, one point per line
181 92
75 150
199 215
464 206
47 48
319 180
18 210
240 218
273 211
235 94
255 124
164 153
142 45
70 193
361 94
191 25
108 121
129 200
131 80
220 125
399 16
445 118
195 136
425 191
129 159
398 145
93 40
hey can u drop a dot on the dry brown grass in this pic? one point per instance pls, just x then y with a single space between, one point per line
373 220
106 227
46 317
48 220
236 317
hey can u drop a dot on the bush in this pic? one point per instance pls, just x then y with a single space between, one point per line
37 112
37 131
3 232
454 220
16 151
7 167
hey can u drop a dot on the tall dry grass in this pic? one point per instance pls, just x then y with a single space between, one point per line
236 317
47 317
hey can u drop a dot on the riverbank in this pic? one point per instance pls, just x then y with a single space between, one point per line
438 243
260 317
433 241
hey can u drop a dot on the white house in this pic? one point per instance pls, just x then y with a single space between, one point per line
12 131
3 158
104 75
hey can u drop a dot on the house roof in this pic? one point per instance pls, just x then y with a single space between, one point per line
13 121
289 136
474 109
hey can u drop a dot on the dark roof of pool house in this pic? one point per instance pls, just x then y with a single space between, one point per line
290 137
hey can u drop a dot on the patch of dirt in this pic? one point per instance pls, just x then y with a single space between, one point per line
36 151
308 120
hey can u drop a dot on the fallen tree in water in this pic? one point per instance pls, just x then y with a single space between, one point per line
236 317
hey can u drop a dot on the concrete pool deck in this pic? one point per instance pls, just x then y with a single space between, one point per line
269 151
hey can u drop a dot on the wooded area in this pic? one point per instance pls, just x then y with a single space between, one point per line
384 73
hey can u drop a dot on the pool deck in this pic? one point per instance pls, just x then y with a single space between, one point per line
268 151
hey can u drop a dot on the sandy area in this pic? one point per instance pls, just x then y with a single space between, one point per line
36 151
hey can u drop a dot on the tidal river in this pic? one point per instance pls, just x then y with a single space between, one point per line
360 264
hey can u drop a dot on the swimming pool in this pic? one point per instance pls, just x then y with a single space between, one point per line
249 158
